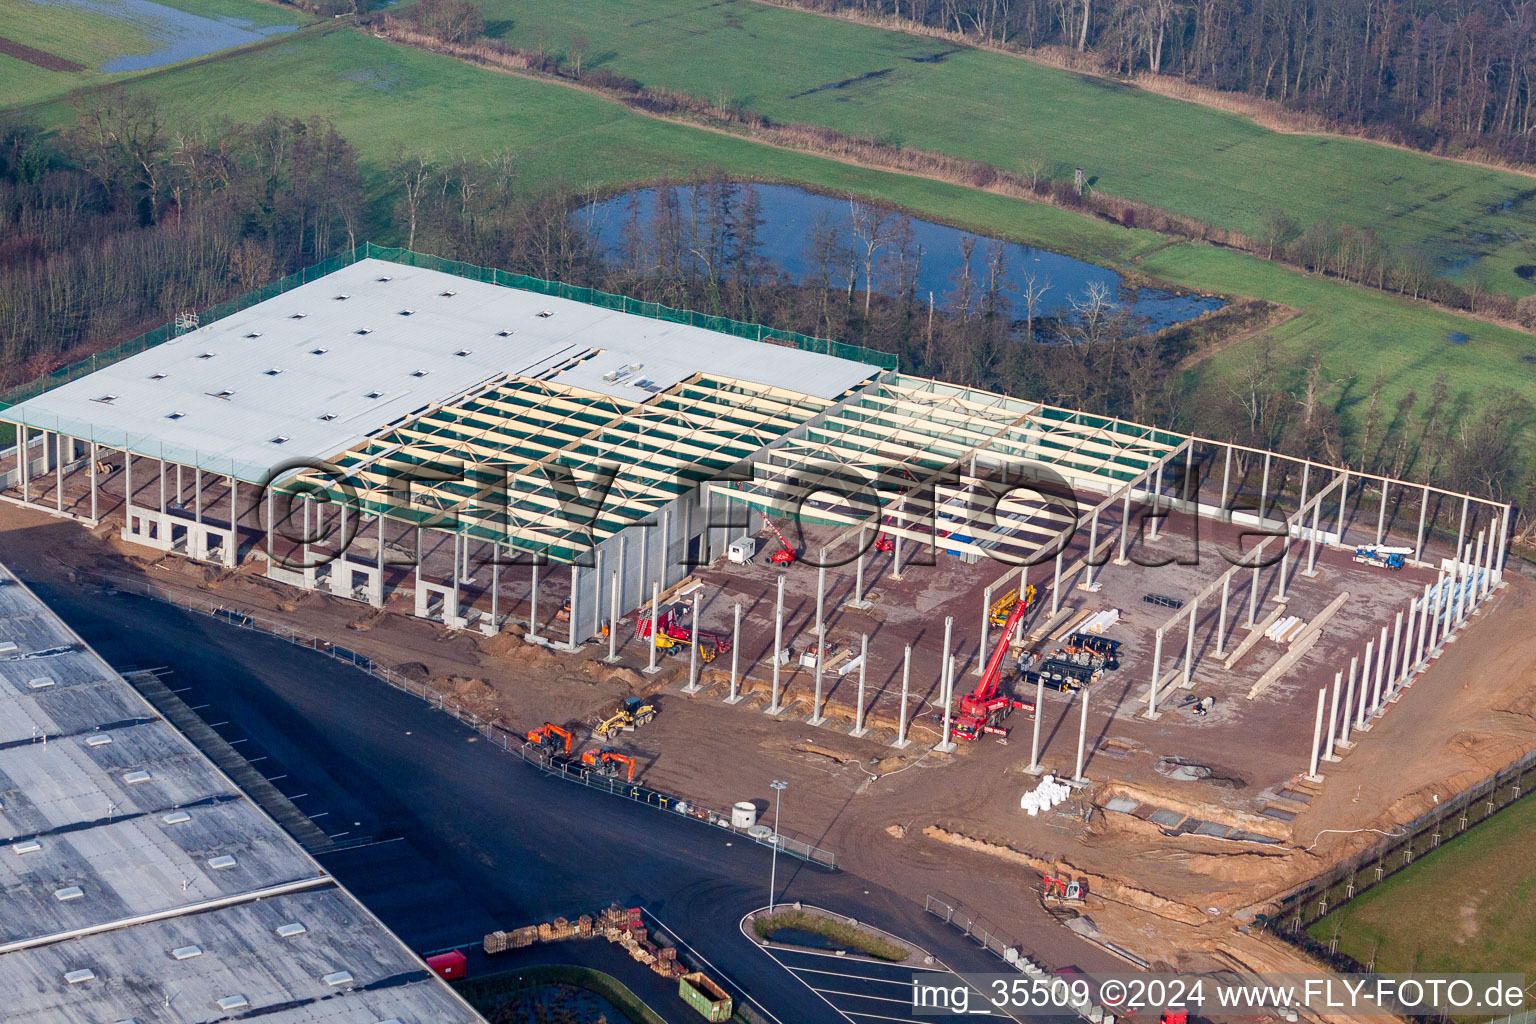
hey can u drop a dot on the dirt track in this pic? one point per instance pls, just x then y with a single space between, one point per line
41 58
1465 717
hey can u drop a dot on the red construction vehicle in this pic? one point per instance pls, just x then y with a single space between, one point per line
675 633
1063 889
1174 1015
785 554
983 708
550 735
606 761
884 542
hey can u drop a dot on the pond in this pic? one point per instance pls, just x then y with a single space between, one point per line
799 231
175 35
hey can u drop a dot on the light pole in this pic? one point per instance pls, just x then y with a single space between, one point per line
773 872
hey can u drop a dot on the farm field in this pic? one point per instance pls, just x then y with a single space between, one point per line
390 100
928 94
1469 906
91 33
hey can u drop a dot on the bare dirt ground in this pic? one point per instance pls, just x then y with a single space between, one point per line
929 823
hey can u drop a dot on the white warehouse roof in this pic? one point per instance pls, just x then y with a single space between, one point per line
317 369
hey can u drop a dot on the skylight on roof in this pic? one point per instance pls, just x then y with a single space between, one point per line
447 294
221 862
420 373
381 280
318 351
186 952
504 334
363 330
407 312
175 414
298 316
224 393
343 297
106 399
290 930
79 977
157 376
254 334
176 818
544 314
134 778
374 394
69 892
280 439
206 355
327 416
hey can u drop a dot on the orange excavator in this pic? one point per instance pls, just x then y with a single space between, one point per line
606 761
985 707
549 736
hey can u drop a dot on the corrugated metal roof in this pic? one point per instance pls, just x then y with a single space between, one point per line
313 371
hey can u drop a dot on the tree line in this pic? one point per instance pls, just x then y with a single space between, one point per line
1434 75
119 223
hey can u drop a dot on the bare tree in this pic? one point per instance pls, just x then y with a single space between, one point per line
414 175
873 227
1034 292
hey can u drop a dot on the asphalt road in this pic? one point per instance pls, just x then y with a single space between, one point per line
462 838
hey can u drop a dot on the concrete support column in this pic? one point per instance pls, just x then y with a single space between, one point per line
1093 546
1458 589
613 618
858 716
1343 505
896 558
773 707
821 596
1189 645
655 623
986 623
570 619
1418 539
197 500
1418 653
533 599
1306 480
735 697
1377 707
1035 767
95 515
597 593
1498 561
161 463
128 494
1264 488
946 684
1461 530
1365 698
1125 527
1381 513
1226 479
693 645
1349 696
1157 499
1397 641
24 463
1478 574
1056 585
1157 672
1253 597
1311 569
58 470
1317 737
1285 568
1082 736
1221 619
458 548
858 574
906 677
232 557
1330 752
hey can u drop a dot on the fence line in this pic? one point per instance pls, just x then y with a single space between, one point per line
508 741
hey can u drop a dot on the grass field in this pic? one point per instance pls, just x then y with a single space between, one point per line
1218 167
391 100
92 37
1468 906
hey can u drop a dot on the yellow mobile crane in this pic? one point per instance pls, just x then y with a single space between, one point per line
1003 606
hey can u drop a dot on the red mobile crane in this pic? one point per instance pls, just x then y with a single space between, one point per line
785 554
675 633
984 707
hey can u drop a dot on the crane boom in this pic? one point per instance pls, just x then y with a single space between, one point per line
988 685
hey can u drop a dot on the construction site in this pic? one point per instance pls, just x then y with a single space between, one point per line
1149 667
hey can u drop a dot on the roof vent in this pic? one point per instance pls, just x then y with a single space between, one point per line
342 298
222 862
174 414
448 294
407 312
545 314
30 846
69 892
290 930
463 352
273 372
254 334
105 399
40 683
381 280
134 778
374 394
338 978
318 351
176 818
80 977
206 355
186 952
98 740
420 373
280 439
298 316
229 1003
363 330
157 376
327 416
503 334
